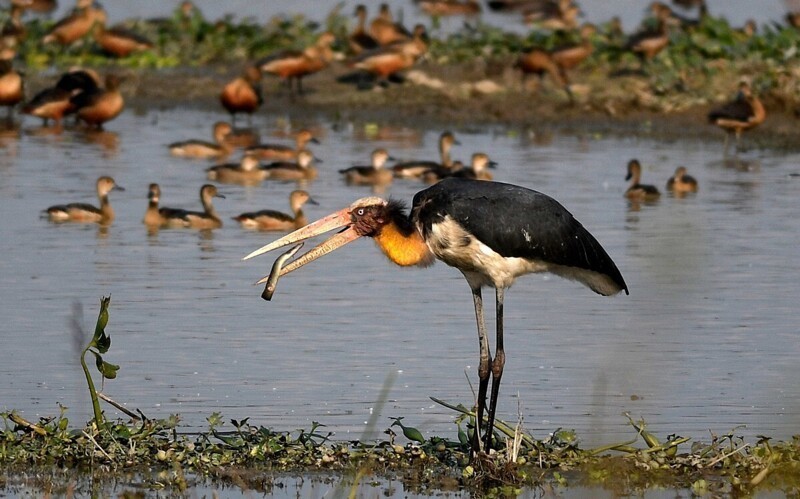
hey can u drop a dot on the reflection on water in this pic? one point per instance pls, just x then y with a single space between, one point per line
706 340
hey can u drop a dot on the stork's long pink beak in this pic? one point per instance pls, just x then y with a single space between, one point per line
331 222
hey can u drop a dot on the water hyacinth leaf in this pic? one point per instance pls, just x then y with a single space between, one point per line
107 369
100 340
103 343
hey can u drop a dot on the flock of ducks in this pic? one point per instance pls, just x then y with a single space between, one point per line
250 171
381 48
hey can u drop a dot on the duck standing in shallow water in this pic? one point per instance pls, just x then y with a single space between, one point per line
637 191
681 182
743 113
83 212
302 169
203 149
11 88
97 106
281 152
275 220
55 102
243 94
374 174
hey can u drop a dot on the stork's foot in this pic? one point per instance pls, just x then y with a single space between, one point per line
493 468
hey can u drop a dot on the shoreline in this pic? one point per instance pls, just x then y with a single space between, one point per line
454 96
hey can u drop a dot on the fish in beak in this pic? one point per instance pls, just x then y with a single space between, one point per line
342 218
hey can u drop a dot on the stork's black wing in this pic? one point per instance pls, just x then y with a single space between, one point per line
515 222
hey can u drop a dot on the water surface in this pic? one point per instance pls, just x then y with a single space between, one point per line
706 341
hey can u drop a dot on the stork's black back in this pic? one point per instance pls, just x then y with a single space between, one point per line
514 222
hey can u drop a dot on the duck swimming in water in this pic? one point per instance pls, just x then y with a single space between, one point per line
281 152
275 220
302 169
374 174
681 182
206 219
415 169
477 170
637 191
204 149
83 212
246 172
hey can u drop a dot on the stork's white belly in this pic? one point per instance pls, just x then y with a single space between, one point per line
481 265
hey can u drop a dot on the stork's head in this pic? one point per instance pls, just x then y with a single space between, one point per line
364 217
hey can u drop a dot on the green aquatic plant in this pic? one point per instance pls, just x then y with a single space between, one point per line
726 465
409 432
99 345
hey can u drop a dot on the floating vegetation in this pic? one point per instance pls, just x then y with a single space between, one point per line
724 465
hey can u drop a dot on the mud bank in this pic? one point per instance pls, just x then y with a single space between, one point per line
434 96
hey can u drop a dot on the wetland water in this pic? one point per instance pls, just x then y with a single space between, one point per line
706 341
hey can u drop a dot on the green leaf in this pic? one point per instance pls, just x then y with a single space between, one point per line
107 369
103 343
100 340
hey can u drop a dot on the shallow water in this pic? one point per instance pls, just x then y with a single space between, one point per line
706 341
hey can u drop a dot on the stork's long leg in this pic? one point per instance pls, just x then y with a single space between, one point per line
483 368
497 368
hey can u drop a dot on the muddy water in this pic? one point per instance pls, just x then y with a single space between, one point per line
707 340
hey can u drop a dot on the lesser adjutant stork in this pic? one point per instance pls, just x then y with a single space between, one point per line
492 232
